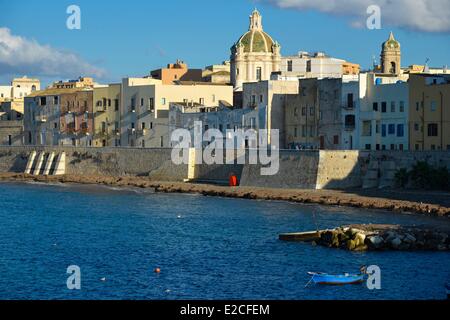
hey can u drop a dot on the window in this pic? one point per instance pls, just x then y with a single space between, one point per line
392 106
383 130
400 147
367 128
289 66
304 111
400 130
336 140
417 106
109 103
116 104
402 106
433 105
55 100
253 100
368 147
151 104
432 130
142 102
143 125
308 66
163 101
237 71
350 101
295 132
375 106
261 98
377 146
133 103
391 129
162 141
383 147
258 73
213 98
377 127
384 107
202 101
392 146
416 126
295 112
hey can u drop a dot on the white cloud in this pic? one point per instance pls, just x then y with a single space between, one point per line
19 55
418 15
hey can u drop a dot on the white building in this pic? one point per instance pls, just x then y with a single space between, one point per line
383 116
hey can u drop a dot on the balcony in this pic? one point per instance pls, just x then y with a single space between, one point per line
100 108
350 105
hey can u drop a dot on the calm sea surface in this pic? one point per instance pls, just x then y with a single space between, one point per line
207 248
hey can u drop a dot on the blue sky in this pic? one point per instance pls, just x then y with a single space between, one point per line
130 38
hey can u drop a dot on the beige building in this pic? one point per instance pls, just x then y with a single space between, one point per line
80 83
107 115
429 112
255 55
268 99
145 106
217 73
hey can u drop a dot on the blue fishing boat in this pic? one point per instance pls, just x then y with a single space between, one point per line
340 279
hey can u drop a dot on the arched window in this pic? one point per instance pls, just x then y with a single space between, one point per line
393 67
33 88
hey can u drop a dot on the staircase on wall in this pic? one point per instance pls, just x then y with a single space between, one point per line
44 163
380 174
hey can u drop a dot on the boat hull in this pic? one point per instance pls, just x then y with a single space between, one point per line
328 279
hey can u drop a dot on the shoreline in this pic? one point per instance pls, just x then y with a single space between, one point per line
348 198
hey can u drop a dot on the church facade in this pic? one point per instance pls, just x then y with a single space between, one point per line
255 55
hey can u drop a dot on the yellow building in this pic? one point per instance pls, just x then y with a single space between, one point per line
429 114
107 116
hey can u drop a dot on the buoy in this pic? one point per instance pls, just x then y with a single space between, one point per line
157 270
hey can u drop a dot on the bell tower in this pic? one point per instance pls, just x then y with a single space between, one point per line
391 56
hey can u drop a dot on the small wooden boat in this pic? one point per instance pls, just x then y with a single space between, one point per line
340 279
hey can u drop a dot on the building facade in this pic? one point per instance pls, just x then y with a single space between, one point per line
255 55
384 113
76 118
107 108
316 65
145 107
268 99
429 112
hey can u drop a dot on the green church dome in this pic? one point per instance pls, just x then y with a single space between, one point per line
391 43
256 40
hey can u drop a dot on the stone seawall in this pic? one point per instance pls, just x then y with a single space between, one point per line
297 169
115 162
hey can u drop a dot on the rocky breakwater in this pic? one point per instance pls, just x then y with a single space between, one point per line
385 237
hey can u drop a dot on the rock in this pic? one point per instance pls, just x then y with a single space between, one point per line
395 243
351 245
335 240
359 239
409 238
376 242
